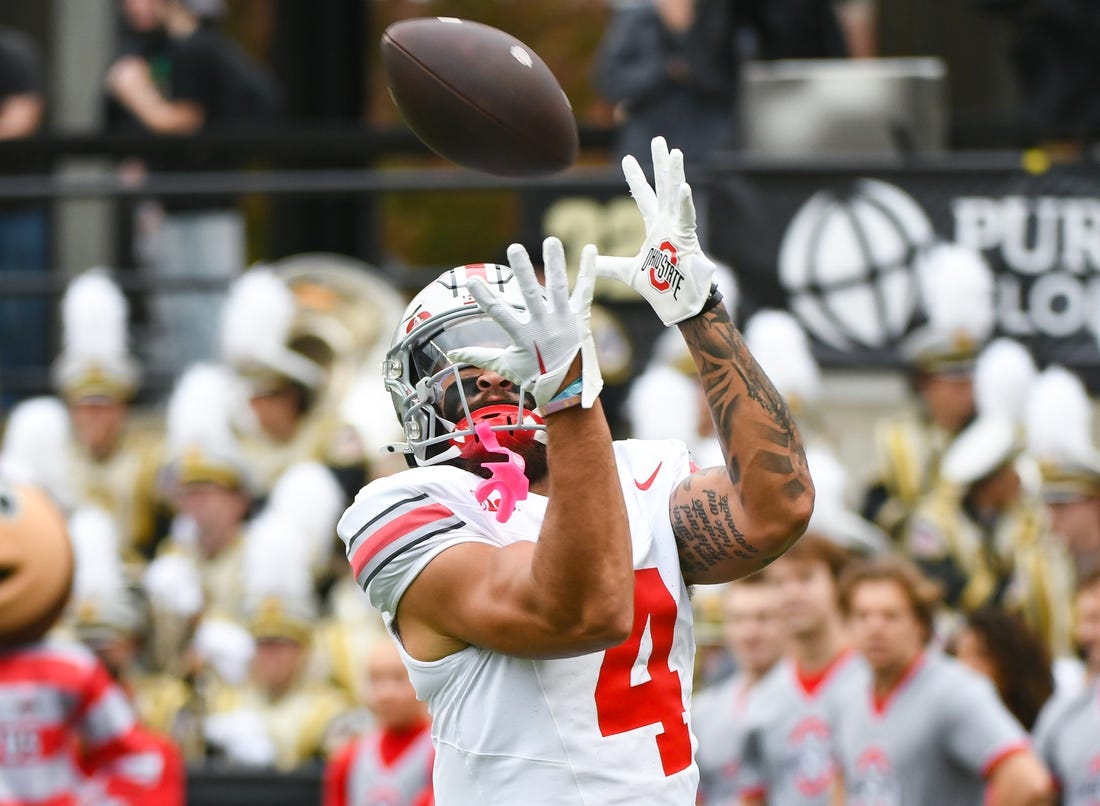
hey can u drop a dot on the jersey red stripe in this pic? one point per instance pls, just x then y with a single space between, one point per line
394 531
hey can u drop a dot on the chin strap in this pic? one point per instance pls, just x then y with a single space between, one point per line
508 479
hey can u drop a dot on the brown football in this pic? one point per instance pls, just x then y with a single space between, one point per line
478 96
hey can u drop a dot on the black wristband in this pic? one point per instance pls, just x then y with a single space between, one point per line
713 301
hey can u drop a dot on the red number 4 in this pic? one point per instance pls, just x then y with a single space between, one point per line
623 706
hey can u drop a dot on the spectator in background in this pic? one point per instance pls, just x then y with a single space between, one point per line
983 533
671 66
141 35
956 293
1067 735
755 636
23 226
789 747
209 485
1087 628
391 764
203 83
111 460
924 729
1057 67
106 615
280 717
1058 419
858 22
284 361
1000 646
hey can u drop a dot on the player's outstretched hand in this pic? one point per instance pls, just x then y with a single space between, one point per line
548 337
670 271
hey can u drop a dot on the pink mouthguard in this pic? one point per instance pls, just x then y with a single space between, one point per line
507 479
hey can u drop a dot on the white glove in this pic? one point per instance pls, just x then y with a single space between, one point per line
242 737
172 584
670 271
226 647
547 339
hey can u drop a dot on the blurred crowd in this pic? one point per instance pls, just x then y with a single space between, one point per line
208 577
211 584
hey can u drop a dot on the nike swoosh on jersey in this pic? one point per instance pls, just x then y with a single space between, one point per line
645 485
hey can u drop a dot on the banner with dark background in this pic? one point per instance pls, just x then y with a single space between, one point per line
838 246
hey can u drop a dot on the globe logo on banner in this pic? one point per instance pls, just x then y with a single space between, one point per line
847 264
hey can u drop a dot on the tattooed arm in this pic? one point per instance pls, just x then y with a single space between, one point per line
733 520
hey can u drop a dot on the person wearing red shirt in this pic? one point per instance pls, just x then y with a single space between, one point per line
392 764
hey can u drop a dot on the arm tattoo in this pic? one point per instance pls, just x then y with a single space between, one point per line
765 461
706 533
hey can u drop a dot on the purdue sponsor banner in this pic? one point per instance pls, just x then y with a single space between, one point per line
839 248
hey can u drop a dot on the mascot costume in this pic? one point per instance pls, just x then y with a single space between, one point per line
68 735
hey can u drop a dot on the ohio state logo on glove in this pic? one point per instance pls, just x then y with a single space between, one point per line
660 262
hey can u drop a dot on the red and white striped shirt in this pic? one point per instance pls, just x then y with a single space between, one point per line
60 711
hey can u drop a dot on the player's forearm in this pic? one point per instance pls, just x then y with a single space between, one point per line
583 561
765 462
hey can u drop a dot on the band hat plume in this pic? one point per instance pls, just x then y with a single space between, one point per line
781 347
833 517
308 496
95 360
1058 419
257 328
956 294
103 605
36 449
279 600
1004 374
201 444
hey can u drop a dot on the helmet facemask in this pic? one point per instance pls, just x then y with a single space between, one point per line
429 393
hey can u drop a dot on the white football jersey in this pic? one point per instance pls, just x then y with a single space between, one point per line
609 727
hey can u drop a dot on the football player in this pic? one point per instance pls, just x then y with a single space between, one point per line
543 612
